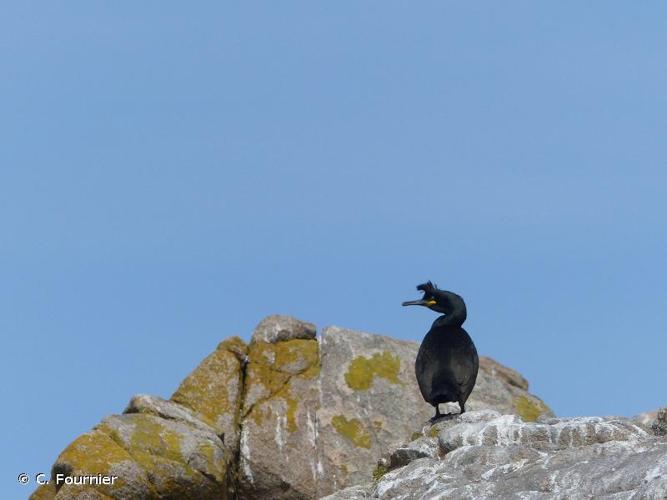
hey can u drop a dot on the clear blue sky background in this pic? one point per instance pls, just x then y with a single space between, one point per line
171 174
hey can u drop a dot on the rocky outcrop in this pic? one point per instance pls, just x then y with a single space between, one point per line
484 454
289 416
653 421
279 419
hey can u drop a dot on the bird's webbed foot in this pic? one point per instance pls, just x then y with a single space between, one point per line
441 416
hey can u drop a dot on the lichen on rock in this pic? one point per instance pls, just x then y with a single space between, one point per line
530 408
214 389
95 452
352 430
279 414
287 417
361 370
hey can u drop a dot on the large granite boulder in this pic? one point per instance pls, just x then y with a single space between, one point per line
156 450
290 416
279 443
488 455
183 448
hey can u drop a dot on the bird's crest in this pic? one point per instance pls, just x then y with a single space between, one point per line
428 288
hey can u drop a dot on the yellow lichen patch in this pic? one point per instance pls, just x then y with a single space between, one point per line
291 414
163 467
234 345
271 381
529 409
360 372
415 435
148 435
174 479
260 413
94 453
352 430
433 432
213 388
271 369
292 356
207 450
312 371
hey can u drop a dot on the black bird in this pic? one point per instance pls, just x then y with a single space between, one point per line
447 362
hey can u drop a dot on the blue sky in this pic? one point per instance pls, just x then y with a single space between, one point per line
170 176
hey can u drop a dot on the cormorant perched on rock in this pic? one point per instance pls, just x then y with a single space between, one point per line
447 362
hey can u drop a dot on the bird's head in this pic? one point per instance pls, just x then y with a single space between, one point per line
439 300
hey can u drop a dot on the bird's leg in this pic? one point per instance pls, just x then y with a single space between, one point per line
438 415
463 407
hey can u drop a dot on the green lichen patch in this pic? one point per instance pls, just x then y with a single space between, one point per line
352 430
360 372
433 432
379 471
415 435
529 409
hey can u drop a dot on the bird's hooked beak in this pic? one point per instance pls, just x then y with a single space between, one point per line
421 302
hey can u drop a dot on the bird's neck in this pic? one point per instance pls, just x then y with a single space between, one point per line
454 318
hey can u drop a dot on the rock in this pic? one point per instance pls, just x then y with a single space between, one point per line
278 450
659 425
646 419
653 421
277 328
213 390
505 457
363 378
153 405
96 452
150 456
499 388
359 492
44 492
471 417
423 447
496 370
287 417
183 460
511 430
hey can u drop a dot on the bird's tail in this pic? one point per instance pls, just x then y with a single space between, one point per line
444 397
